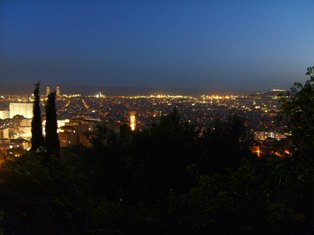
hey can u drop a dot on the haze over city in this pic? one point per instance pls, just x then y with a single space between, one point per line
155 45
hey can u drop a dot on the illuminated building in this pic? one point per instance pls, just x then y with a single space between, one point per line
4 114
74 134
47 90
58 92
68 137
132 121
100 95
24 109
264 135
4 133
24 129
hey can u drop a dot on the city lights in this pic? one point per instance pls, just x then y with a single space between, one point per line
132 121
77 114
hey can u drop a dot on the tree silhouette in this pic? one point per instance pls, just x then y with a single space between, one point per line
160 158
227 144
298 109
52 140
37 135
125 131
167 179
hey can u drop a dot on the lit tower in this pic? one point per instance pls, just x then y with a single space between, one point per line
132 121
101 95
47 90
58 93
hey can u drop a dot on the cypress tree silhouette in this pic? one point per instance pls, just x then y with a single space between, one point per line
52 140
37 132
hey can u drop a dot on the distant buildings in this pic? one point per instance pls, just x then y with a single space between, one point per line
264 135
78 115
58 92
76 133
47 90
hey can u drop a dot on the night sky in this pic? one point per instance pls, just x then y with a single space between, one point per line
222 45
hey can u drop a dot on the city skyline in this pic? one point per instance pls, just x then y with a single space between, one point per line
27 89
225 46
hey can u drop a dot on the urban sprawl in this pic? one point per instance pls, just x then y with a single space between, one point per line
79 116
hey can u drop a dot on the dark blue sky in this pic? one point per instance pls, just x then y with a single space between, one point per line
225 45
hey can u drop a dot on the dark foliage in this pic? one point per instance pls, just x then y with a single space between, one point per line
298 109
227 145
168 179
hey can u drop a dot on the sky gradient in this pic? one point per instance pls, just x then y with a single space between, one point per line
214 45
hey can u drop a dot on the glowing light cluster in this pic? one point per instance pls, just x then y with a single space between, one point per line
72 95
132 121
219 97
160 96
278 90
